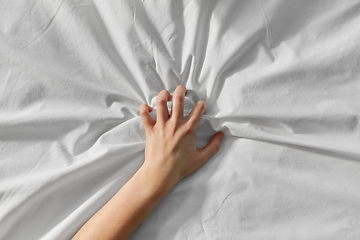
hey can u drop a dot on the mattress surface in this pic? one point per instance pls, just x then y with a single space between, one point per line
281 79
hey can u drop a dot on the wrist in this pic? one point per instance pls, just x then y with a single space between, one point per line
157 183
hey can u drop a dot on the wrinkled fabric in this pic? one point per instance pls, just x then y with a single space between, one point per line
281 79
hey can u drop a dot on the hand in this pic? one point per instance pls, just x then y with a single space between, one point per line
171 152
170 155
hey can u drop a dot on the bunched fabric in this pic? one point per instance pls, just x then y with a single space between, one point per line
281 79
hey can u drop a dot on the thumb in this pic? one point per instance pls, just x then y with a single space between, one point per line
146 118
212 147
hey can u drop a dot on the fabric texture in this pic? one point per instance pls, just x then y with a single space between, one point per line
281 79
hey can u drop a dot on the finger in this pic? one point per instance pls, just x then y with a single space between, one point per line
162 113
146 118
177 109
197 113
212 147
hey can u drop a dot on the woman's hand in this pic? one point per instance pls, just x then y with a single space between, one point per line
170 155
171 152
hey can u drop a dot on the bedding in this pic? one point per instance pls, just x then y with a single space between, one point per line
281 79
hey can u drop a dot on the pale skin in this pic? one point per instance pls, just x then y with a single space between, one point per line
171 154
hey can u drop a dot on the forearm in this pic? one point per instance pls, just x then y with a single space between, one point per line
126 209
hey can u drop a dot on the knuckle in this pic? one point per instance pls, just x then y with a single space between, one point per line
178 97
161 132
181 87
163 92
202 105
161 101
142 109
166 93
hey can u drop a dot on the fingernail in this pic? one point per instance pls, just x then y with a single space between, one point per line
222 136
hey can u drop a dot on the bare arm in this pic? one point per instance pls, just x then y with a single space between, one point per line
170 155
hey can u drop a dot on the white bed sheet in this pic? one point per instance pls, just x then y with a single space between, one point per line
281 79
